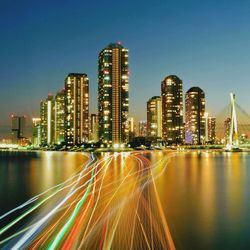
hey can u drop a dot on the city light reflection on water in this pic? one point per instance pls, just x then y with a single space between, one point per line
207 200
204 196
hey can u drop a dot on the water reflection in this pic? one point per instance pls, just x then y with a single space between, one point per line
25 175
204 195
207 199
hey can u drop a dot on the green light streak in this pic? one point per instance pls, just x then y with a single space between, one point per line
4 229
14 235
65 228
8 226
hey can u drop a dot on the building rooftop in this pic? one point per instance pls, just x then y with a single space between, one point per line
77 74
115 45
172 77
195 89
155 97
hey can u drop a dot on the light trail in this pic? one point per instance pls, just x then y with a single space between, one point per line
164 221
75 230
33 199
92 208
98 197
65 228
26 237
143 230
68 245
47 233
112 197
142 161
4 229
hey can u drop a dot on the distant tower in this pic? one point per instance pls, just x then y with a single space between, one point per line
93 132
227 125
59 116
18 124
36 131
195 116
113 94
211 129
172 109
154 117
76 108
47 115
131 128
142 128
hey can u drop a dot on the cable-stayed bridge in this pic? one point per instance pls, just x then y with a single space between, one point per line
233 126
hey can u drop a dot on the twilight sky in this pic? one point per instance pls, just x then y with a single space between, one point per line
205 43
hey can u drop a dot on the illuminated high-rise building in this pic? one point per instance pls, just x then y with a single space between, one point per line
195 116
172 109
93 129
59 116
210 123
142 130
36 131
76 108
131 128
18 125
131 124
154 117
47 115
227 126
113 94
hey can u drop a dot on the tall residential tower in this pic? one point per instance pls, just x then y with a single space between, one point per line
142 128
93 129
172 109
36 131
76 108
47 115
113 94
195 116
59 116
154 117
211 129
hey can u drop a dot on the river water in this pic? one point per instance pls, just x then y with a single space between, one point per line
205 196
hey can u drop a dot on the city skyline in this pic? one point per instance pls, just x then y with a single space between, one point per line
201 66
124 124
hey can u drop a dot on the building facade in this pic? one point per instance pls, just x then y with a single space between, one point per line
211 129
76 109
93 129
154 117
142 128
172 110
227 126
113 94
36 131
47 116
60 117
18 124
195 116
131 128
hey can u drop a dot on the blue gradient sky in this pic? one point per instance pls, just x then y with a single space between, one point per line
205 43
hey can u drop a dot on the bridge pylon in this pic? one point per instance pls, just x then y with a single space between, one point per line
233 140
